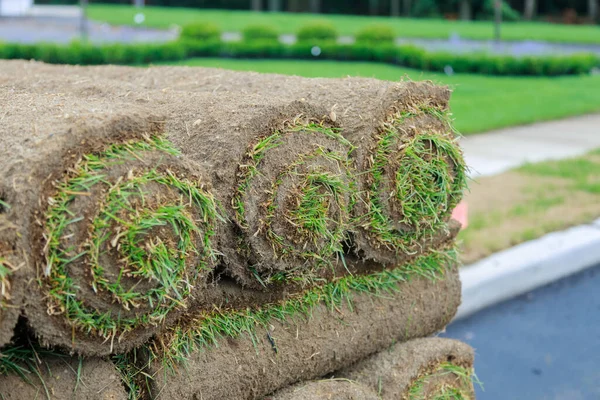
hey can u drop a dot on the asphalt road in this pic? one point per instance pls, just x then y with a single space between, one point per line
544 345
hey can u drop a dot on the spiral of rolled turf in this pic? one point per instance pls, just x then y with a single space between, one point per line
293 200
416 176
128 239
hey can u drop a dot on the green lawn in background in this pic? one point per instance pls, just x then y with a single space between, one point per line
163 17
479 103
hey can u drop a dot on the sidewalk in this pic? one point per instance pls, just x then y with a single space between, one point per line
498 151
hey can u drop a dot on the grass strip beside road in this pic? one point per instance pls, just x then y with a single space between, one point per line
236 20
528 202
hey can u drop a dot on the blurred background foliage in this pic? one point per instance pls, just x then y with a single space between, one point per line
567 11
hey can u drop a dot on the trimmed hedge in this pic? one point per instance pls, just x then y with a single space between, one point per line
376 34
201 31
88 54
260 32
317 31
409 56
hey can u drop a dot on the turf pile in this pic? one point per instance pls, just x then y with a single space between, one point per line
430 368
216 234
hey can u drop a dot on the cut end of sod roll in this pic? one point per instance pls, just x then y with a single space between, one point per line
6 270
293 200
128 239
9 309
416 176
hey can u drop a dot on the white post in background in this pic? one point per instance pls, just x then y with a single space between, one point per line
138 3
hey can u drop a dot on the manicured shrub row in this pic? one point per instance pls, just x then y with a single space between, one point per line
409 56
88 54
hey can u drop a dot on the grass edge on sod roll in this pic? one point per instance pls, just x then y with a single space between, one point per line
207 329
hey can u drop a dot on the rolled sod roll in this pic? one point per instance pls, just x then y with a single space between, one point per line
247 354
325 389
115 226
427 368
283 171
280 170
58 377
409 171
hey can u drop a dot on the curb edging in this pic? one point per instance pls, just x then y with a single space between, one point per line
527 266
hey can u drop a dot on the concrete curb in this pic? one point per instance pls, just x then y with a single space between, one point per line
525 267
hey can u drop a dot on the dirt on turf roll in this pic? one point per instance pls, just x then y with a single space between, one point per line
326 389
116 225
10 275
58 377
247 356
427 368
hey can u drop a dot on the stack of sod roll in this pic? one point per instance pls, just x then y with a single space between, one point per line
183 233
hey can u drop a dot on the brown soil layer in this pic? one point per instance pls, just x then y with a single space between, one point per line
74 111
307 348
65 378
326 389
10 292
393 372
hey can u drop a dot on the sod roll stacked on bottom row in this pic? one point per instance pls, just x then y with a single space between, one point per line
213 234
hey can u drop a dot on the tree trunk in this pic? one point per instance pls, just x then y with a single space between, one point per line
274 5
465 10
406 7
593 10
395 8
256 5
530 9
315 6
373 7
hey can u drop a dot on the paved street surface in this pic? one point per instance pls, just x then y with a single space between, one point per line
541 346
498 151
